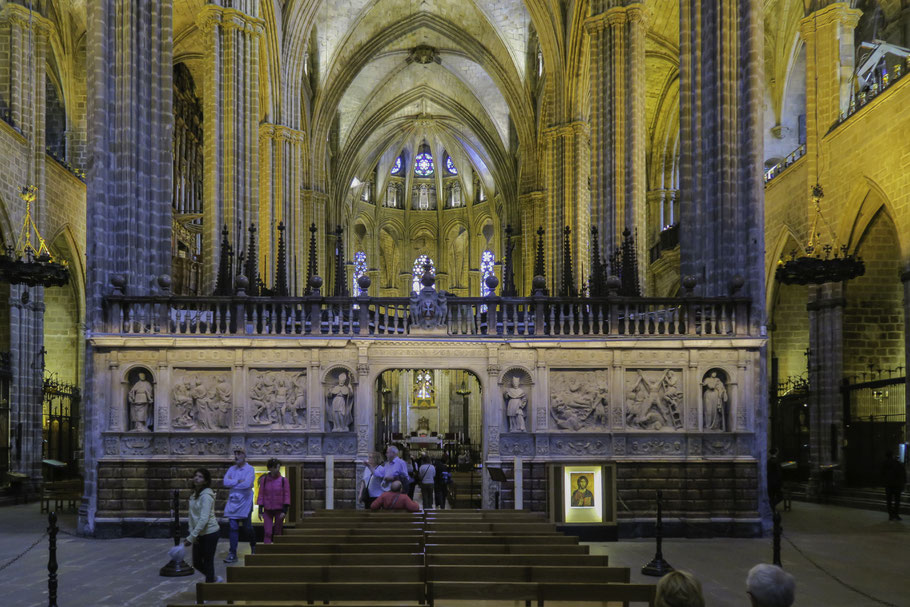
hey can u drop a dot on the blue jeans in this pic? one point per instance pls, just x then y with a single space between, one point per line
234 534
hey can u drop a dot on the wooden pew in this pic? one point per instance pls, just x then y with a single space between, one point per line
522 573
516 528
506 549
354 560
349 539
378 574
492 560
359 530
412 592
335 548
541 592
492 538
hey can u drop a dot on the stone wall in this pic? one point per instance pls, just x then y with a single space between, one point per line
790 331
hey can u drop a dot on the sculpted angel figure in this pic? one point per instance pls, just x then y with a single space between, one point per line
516 405
341 405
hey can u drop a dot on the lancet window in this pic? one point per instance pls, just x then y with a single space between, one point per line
417 272
360 268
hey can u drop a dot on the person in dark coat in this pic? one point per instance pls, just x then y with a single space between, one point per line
894 474
775 480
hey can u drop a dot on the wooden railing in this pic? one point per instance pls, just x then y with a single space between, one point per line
465 316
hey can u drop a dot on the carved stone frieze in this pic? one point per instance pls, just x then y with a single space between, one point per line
136 445
201 399
516 444
314 446
199 445
582 445
111 445
494 439
578 400
278 399
276 446
656 357
541 418
543 444
283 355
619 445
363 436
718 445
695 445
339 445
207 355
656 446
654 399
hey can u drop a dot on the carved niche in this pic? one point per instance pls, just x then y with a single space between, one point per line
140 400
339 394
654 399
278 399
715 400
516 397
201 400
578 400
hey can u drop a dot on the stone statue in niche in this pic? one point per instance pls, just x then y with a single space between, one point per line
141 399
654 401
579 400
202 403
279 399
341 404
714 398
516 405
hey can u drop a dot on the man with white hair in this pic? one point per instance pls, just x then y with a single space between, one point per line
770 586
395 469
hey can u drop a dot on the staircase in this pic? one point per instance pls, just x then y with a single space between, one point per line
863 498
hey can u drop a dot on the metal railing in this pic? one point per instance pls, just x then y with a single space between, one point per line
391 316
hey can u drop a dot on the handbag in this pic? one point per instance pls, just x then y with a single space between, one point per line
365 492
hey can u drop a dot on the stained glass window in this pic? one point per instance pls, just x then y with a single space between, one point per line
396 168
423 166
487 259
418 271
450 166
423 388
360 268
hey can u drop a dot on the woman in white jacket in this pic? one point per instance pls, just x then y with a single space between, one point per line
203 526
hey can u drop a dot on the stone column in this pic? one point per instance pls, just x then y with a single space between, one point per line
826 364
721 188
828 34
281 157
230 37
567 154
617 47
905 278
24 39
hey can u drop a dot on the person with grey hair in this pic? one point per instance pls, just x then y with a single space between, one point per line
395 469
770 586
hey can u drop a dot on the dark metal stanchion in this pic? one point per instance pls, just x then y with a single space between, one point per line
52 559
175 568
658 566
777 532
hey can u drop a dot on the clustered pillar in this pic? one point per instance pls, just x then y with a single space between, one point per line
231 127
617 45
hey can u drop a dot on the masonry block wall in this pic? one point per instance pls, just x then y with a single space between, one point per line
345 485
873 318
790 331
314 485
534 487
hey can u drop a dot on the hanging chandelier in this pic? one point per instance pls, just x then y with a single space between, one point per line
27 264
818 266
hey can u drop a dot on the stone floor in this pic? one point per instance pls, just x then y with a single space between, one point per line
839 556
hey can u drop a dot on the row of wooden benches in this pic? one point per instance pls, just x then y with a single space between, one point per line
425 558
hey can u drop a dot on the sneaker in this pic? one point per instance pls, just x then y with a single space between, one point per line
231 558
219 579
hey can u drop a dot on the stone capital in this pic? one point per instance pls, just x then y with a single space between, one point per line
838 13
278 132
213 15
20 16
568 129
615 16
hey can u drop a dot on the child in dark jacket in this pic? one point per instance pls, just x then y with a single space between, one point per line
274 500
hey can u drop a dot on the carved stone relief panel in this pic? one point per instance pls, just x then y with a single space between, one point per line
579 445
339 445
339 394
516 397
578 400
657 446
136 445
718 445
654 399
191 445
278 399
516 444
277 445
715 401
201 399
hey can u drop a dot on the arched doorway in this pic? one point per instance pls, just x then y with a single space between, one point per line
437 414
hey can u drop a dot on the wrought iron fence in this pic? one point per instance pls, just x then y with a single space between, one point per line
60 415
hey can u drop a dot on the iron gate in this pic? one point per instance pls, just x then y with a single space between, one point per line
60 414
6 443
790 426
874 421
